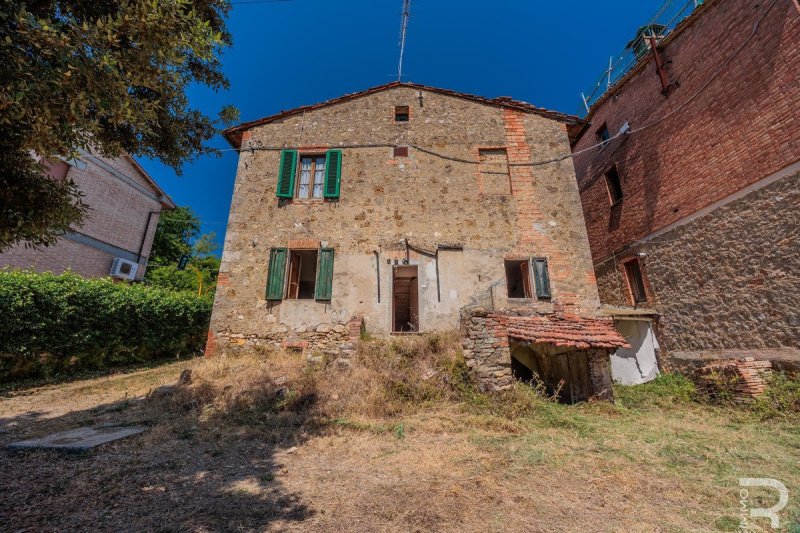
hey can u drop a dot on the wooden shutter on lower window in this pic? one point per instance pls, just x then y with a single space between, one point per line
286 172
333 173
541 277
275 275
524 268
324 287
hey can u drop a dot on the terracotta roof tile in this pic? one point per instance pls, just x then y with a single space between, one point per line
566 330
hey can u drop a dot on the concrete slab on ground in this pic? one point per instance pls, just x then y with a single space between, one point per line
78 440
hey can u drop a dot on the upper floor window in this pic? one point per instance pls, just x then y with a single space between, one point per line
633 271
316 175
312 177
614 185
603 135
401 113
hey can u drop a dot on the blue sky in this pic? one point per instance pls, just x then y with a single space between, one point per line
297 52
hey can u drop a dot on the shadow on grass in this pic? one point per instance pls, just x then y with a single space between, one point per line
192 470
18 386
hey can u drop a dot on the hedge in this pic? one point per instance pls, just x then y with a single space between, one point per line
52 324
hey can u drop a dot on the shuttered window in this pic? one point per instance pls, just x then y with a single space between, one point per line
286 172
333 173
541 277
276 273
325 274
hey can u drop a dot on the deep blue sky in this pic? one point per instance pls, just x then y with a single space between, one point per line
297 52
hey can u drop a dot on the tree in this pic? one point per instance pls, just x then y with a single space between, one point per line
108 77
176 230
177 234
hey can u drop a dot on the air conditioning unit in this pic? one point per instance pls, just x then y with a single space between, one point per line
123 269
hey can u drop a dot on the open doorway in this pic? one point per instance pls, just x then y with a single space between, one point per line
564 373
405 299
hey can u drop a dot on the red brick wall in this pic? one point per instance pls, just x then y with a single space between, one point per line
117 215
740 129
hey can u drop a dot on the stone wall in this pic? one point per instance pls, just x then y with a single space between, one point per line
333 339
422 199
726 280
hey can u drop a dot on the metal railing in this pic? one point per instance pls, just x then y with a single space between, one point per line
669 15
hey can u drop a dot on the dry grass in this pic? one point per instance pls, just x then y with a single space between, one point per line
398 441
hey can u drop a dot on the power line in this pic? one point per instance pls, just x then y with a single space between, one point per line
403 29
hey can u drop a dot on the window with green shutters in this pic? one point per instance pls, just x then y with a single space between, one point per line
333 173
541 278
286 172
276 273
324 274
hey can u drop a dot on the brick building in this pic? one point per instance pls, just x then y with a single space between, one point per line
124 206
692 215
406 208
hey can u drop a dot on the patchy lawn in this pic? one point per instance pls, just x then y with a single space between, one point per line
398 441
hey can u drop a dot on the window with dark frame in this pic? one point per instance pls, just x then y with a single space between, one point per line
633 271
603 135
311 178
401 113
614 185
518 278
302 277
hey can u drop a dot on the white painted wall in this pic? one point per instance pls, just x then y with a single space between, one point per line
637 364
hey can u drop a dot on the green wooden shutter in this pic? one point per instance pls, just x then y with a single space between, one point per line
542 278
286 172
333 173
324 274
277 270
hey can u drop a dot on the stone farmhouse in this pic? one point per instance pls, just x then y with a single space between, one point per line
115 239
692 215
406 208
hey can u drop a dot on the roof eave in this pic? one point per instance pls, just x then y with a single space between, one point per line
234 134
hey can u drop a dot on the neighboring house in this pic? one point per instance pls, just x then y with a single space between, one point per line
124 205
693 217
406 208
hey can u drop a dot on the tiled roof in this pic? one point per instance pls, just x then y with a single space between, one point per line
234 134
566 330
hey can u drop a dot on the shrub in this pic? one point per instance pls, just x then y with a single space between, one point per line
664 391
54 323
781 399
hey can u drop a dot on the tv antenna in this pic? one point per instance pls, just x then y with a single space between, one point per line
403 28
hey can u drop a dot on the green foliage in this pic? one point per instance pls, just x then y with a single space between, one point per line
665 391
177 235
176 230
56 323
781 399
110 77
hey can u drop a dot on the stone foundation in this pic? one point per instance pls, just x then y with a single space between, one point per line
329 338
